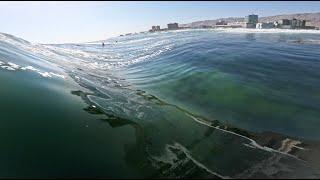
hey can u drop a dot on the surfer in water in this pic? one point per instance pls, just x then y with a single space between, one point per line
102 44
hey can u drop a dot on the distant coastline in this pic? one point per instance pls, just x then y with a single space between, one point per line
312 18
310 21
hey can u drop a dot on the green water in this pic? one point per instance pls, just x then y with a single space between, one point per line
222 96
194 109
61 139
46 133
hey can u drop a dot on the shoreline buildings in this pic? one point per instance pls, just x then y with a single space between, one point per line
293 24
251 22
268 25
155 28
171 26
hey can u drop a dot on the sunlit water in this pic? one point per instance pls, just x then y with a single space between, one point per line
191 103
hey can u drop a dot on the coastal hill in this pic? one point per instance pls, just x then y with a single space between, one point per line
312 18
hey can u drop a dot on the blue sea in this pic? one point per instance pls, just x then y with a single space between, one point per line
213 103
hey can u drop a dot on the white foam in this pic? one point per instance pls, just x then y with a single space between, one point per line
172 159
8 68
13 65
57 75
45 74
30 68
50 74
253 143
245 30
198 163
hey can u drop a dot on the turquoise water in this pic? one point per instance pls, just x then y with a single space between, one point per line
194 103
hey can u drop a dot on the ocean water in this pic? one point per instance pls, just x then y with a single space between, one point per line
176 104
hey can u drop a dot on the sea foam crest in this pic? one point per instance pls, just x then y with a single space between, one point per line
13 67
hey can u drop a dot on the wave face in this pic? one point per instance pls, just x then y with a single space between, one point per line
177 104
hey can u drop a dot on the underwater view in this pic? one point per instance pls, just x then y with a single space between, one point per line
194 103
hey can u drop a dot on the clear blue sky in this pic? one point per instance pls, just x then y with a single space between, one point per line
58 22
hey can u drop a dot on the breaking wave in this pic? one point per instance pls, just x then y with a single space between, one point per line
198 95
